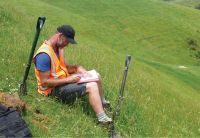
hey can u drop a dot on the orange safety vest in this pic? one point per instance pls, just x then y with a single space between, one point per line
58 68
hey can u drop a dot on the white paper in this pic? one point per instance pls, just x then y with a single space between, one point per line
90 76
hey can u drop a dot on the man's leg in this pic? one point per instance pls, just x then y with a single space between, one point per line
99 83
96 103
94 97
69 92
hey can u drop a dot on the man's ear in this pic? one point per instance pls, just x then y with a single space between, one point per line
59 34
59 37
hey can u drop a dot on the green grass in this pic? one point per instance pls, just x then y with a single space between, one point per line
161 100
188 3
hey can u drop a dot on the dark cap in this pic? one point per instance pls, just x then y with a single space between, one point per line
68 32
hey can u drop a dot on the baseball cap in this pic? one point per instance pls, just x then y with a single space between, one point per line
68 32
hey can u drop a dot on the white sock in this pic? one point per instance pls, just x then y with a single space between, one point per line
102 116
103 99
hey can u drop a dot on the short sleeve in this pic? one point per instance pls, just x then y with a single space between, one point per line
43 62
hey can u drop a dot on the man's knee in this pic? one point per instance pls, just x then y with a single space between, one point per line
99 75
91 86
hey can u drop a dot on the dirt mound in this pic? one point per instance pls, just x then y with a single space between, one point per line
12 100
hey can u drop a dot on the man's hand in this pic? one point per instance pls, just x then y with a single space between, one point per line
73 78
47 82
81 70
76 69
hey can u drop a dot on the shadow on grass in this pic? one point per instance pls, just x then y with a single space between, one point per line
78 101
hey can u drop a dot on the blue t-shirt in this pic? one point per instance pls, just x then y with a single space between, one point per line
43 61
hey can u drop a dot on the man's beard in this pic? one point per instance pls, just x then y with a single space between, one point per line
59 45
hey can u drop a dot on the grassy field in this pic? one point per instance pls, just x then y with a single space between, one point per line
161 99
188 3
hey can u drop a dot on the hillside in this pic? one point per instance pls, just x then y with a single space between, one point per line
188 3
161 99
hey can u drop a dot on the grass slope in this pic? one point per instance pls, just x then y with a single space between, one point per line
160 98
188 3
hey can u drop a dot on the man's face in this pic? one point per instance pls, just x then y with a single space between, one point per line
62 42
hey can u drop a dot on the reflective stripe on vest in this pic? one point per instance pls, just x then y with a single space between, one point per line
57 70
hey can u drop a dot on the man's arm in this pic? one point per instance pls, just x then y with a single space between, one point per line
43 65
76 69
51 82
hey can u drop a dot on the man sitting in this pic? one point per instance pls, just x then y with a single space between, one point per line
54 75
